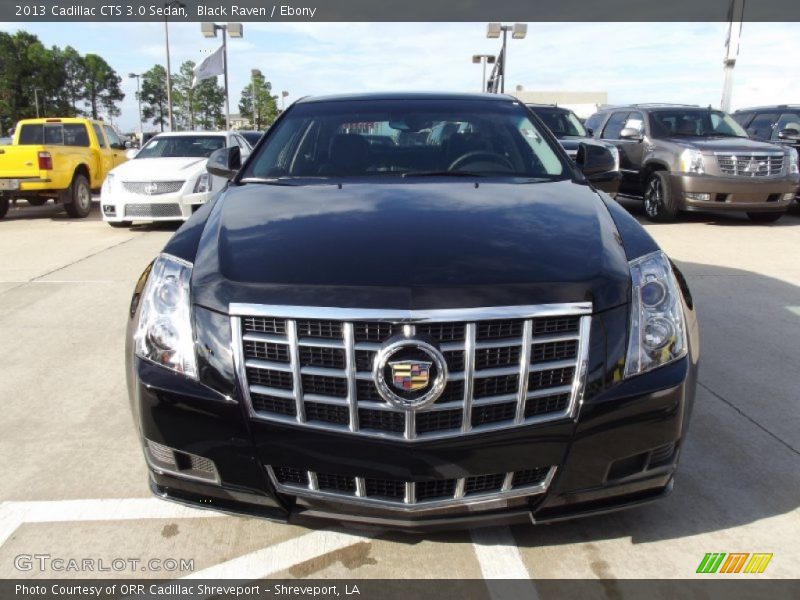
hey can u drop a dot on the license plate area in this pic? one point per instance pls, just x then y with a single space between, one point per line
9 184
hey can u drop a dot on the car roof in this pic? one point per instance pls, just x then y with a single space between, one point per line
770 107
652 106
190 133
535 105
407 96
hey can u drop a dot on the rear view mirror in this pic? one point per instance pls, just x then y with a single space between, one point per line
629 133
225 162
598 165
790 133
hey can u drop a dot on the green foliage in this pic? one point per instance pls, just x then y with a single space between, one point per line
154 96
61 80
266 107
201 107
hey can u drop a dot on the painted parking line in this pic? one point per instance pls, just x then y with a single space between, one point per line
499 558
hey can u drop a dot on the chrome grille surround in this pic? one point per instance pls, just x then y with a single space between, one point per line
439 493
152 188
505 399
750 164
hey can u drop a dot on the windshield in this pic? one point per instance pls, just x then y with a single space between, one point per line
561 122
188 146
411 137
694 123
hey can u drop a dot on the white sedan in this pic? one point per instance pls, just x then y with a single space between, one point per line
167 179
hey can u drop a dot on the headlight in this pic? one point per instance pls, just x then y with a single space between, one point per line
793 152
692 161
657 329
164 334
203 183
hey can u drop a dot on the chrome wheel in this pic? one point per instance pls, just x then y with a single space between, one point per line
83 197
653 197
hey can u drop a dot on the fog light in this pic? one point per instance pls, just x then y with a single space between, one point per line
699 196
108 209
171 461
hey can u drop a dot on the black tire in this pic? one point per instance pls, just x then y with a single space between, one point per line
769 217
659 205
3 207
37 201
119 224
81 193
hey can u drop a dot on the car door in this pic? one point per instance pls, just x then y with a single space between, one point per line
611 133
105 158
116 146
631 151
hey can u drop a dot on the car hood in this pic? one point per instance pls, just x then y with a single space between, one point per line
160 169
724 144
412 245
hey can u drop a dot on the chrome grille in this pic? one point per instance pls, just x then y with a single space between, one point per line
152 188
761 164
411 495
152 210
507 366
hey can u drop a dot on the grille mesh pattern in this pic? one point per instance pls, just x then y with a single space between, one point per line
751 165
404 493
152 188
320 371
151 211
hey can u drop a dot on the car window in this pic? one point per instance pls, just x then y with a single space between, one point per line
761 126
693 122
98 132
786 121
388 137
54 134
615 125
113 138
560 122
594 122
742 118
189 146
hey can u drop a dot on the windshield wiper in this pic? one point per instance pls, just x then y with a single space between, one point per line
443 174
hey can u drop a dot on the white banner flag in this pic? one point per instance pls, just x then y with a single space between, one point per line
212 66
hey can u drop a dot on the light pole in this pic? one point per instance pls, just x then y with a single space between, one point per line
139 97
483 59
168 5
283 99
518 32
36 100
209 30
253 74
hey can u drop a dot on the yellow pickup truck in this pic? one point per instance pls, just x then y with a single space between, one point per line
65 159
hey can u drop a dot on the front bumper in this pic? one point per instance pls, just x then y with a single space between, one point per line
733 193
119 206
602 460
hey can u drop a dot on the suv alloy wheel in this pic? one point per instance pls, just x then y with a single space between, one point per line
658 203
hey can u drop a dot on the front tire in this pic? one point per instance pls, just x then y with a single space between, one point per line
81 204
659 205
759 217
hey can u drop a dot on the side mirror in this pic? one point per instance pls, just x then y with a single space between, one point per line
131 153
225 162
598 166
790 133
629 133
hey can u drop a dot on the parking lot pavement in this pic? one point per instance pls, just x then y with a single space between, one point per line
74 478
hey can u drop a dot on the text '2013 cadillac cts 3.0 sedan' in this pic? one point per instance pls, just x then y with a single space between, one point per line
412 310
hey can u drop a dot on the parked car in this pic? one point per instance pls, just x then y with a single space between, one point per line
167 179
778 124
252 137
411 336
681 157
6 141
66 159
569 131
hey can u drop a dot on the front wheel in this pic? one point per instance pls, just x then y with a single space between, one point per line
81 204
770 217
658 202
3 207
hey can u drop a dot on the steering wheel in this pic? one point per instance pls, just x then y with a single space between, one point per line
480 155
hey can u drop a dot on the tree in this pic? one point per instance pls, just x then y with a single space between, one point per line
154 96
266 107
75 75
101 84
183 96
209 100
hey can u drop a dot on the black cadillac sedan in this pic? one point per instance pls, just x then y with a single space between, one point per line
452 332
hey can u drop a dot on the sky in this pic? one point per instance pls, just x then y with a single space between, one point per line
633 62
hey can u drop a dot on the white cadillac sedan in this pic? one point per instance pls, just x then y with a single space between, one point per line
167 179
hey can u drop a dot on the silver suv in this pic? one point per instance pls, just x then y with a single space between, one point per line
681 157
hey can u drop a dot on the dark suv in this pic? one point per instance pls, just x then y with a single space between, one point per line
458 331
779 124
680 157
570 133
